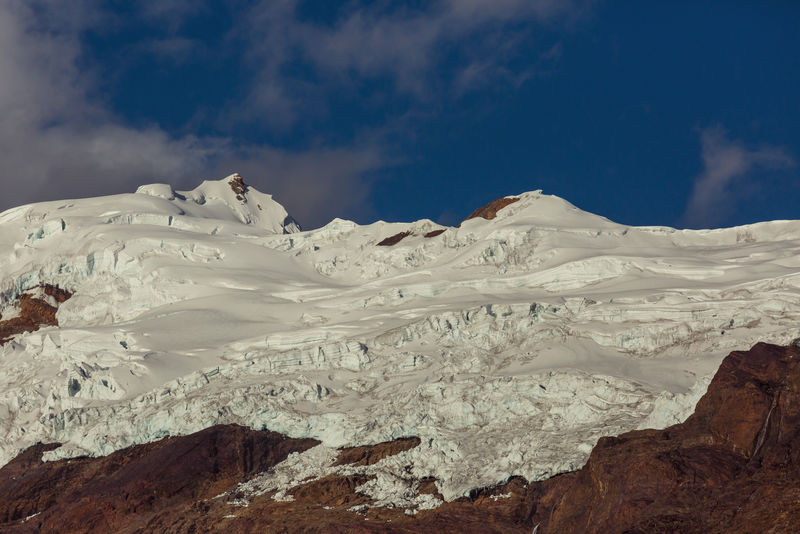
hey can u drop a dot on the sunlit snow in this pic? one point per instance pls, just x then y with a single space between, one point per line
508 346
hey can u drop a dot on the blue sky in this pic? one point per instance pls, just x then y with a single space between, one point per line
672 113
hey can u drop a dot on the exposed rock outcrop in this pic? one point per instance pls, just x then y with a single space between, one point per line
371 454
434 233
733 466
33 312
489 211
238 186
394 239
124 491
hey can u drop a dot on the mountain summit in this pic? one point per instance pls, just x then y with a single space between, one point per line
226 198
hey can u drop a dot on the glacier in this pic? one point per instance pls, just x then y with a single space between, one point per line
508 346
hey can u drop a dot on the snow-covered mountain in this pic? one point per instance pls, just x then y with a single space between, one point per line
508 346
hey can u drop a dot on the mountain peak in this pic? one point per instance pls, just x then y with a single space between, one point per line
220 199
534 208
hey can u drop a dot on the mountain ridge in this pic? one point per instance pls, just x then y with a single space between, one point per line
545 325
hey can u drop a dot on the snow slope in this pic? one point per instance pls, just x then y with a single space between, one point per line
508 346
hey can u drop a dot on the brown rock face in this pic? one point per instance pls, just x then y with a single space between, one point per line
61 295
434 233
489 211
394 239
124 491
238 186
733 466
33 313
372 454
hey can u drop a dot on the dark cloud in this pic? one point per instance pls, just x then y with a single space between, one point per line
728 168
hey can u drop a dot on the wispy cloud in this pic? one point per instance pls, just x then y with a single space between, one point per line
407 45
174 49
57 140
60 137
728 171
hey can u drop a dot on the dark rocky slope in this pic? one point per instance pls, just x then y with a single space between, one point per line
733 466
122 492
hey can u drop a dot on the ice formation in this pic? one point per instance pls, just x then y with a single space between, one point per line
508 346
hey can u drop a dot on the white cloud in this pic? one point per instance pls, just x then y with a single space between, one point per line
315 185
727 171
59 138
470 10
57 141
407 45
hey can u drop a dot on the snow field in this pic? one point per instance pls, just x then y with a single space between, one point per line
508 346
